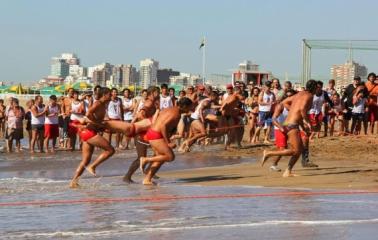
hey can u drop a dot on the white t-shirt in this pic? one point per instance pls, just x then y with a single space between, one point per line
317 104
38 120
114 109
267 98
53 119
165 102
127 103
75 116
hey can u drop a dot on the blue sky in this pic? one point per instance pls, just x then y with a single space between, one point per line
267 32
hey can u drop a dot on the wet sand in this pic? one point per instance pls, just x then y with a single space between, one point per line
344 163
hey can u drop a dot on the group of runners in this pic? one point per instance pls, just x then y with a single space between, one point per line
159 120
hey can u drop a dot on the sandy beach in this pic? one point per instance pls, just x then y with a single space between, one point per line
344 163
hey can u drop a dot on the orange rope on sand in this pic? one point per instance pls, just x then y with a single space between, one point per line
178 197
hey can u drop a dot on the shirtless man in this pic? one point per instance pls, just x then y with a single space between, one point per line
197 127
148 110
91 124
159 138
298 106
229 109
66 114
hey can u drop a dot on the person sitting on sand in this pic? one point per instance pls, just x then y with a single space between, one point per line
159 135
298 106
91 139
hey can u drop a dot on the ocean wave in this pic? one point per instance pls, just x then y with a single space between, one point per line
31 180
137 227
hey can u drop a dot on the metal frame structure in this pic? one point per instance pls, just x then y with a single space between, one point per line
308 45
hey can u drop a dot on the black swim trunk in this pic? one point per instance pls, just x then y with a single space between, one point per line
38 127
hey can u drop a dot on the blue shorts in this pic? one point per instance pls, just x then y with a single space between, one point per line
265 118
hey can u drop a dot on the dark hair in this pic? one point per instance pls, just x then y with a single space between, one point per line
292 91
171 89
53 97
184 102
144 90
182 91
214 94
114 89
288 82
152 89
319 83
371 75
126 89
268 83
331 81
311 85
357 78
164 86
1 100
97 87
75 92
103 91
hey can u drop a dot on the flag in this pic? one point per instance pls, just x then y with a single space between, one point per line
202 43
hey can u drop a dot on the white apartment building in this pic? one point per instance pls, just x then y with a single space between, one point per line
344 73
148 72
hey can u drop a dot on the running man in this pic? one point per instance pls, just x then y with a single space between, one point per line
88 132
298 106
159 138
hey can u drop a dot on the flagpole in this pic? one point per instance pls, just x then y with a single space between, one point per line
204 61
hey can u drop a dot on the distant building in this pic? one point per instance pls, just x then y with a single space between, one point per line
163 75
129 75
344 73
148 72
70 58
185 79
100 74
59 67
77 71
249 72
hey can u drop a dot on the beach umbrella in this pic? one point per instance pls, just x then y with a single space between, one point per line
81 86
62 88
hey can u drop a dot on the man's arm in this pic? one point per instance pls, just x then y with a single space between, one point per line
277 112
287 102
305 107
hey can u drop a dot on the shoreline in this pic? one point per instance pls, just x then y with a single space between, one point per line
344 163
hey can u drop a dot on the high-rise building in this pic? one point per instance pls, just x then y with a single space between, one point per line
148 72
344 73
59 67
77 71
70 58
163 75
100 74
129 75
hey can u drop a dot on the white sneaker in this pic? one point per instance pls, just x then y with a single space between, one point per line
274 168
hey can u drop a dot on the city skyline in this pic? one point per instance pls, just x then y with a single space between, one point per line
113 31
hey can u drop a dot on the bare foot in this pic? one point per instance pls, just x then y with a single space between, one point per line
264 158
266 142
156 177
149 183
91 170
142 163
288 173
74 184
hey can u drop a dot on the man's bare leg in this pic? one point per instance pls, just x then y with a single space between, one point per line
163 154
154 168
99 141
86 158
141 152
296 145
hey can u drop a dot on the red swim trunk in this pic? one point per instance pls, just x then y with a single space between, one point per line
51 131
72 129
281 138
152 135
315 119
87 134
